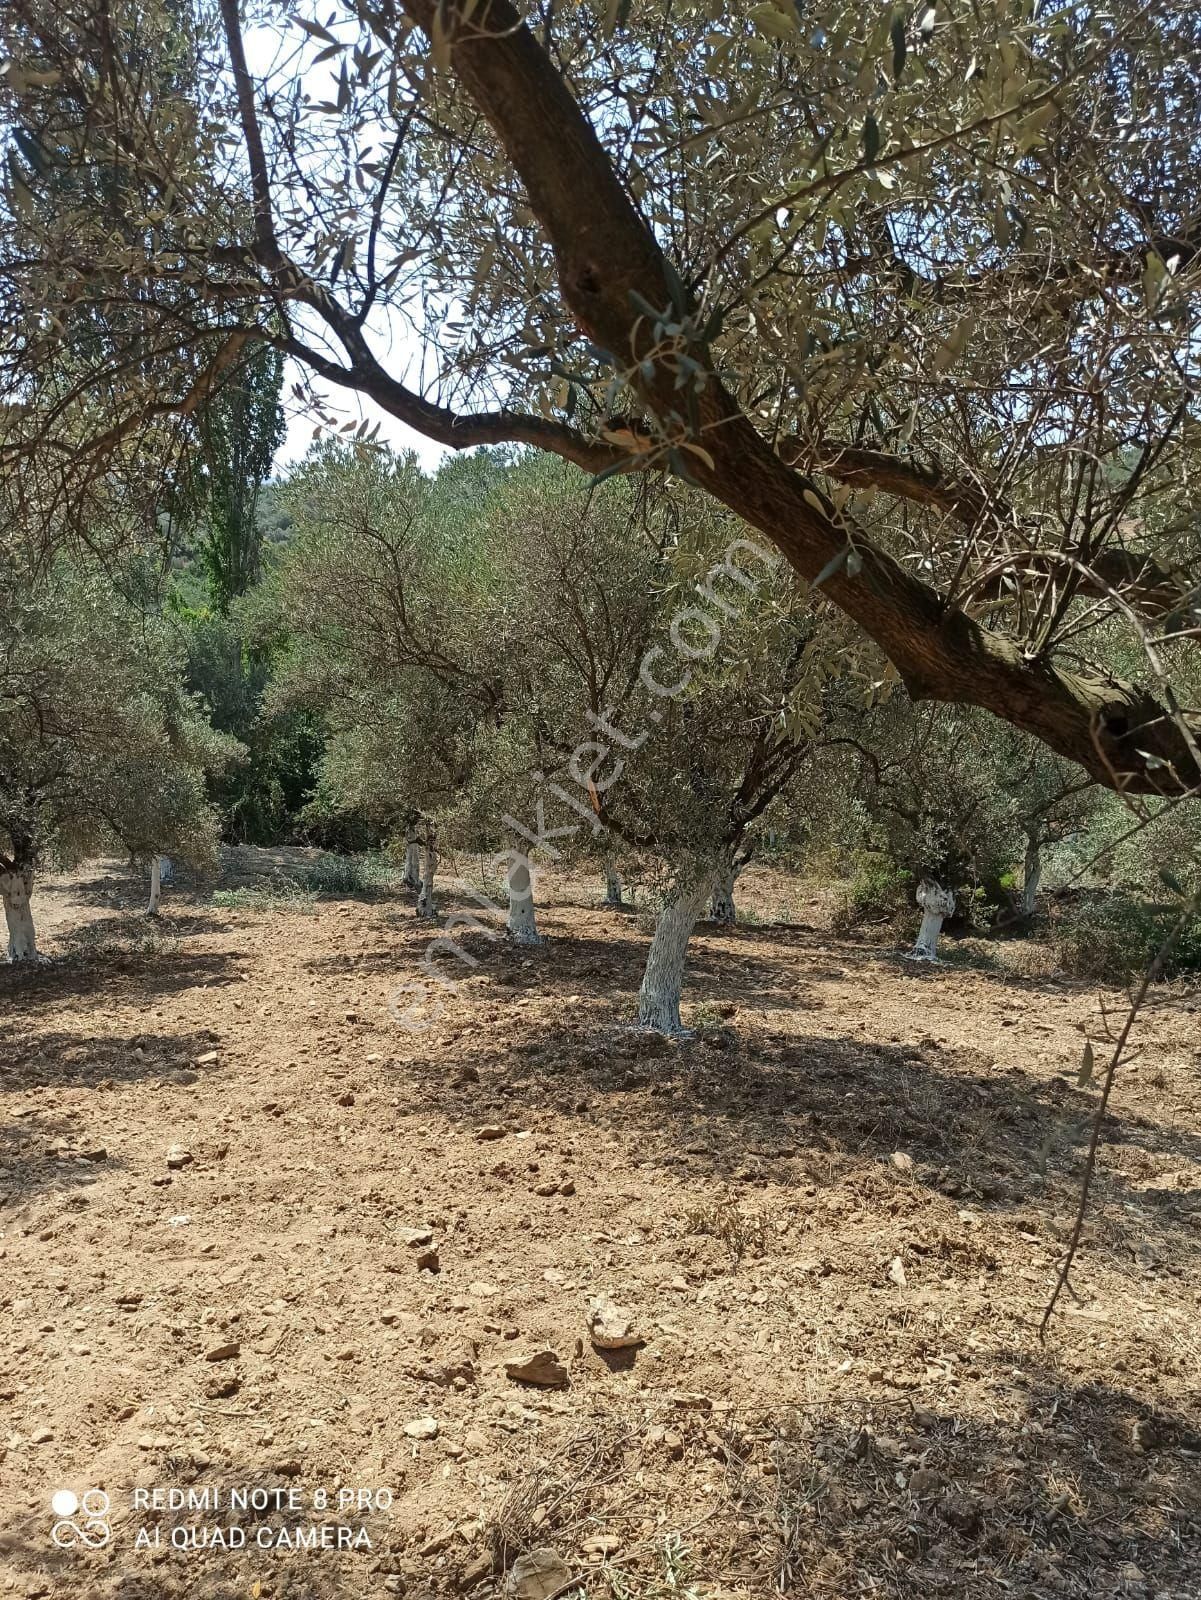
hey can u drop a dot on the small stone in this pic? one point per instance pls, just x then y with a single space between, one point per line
543 1368
962 1512
415 1238
537 1575
221 1388
567 1186
389 1316
94 1153
610 1326
601 1546
177 1156
42 1436
465 1076
1146 1434
429 1261
901 1161
475 1441
476 1572
206 1060
224 1352
674 1445
546 1189
490 1130
422 1428
896 1271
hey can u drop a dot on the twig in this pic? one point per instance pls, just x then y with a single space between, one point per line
1094 1143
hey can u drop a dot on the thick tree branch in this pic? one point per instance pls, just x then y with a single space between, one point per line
608 261
1142 582
456 430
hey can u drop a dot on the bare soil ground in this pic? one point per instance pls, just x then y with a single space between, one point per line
833 1217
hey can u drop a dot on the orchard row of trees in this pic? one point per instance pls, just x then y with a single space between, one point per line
503 658
907 298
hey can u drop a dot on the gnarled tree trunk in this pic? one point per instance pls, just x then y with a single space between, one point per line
425 900
411 877
521 924
663 979
937 904
16 886
613 890
156 885
1032 872
721 907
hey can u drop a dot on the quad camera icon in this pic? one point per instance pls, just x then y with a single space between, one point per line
82 1519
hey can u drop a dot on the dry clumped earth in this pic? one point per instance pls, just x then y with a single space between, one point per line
254 1234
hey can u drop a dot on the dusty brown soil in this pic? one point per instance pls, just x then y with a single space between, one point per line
834 1218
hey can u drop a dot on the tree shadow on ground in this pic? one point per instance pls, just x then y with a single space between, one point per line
41 1155
1053 1497
562 962
793 1109
116 971
1060 1490
64 1059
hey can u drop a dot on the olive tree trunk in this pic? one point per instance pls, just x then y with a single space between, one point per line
16 887
425 900
721 907
156 885
521 924
663 979
613 890
1032 872
411 877
937 904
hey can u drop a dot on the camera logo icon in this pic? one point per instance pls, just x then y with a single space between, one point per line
82 1519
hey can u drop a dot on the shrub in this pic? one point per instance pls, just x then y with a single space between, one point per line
346 875
879 890
1114 939
277 894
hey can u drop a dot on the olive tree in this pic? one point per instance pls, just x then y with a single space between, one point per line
669 680
99 743
949 804
897 289
378 608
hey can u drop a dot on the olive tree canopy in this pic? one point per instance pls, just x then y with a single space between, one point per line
913 291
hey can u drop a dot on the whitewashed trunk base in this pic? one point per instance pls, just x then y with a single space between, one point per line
521 925
16 888
663 979
926 948
937 905
426 906
1033 872
156 886
613 890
